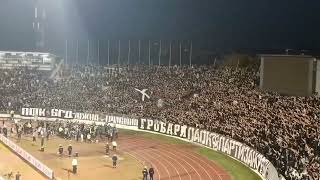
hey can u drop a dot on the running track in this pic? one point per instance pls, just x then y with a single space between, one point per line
171 162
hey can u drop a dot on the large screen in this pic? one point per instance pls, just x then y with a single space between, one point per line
288 75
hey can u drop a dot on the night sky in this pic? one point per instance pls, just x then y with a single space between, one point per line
212 24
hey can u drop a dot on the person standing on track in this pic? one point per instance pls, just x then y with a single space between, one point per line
114 161
60 150
18 176
34 137
89 137
19 134
5 131
114 146
74 166
151 173
42 144
69 150
29 128
48 134
81 137
145 173
107 149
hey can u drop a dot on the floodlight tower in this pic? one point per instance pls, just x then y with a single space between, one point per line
39 24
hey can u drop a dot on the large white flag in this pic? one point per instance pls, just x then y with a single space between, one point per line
143 92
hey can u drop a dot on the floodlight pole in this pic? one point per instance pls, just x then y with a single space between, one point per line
98 52
108 53
77 52
180 56
139 53
88 52
119 51
129 51
159 53
190 55
170 55
66 51
149 54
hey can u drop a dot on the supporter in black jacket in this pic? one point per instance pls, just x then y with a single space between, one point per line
151 173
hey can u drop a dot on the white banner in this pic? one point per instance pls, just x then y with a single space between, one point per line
28 157
59 113
119 120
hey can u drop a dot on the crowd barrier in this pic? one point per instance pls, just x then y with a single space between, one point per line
214 141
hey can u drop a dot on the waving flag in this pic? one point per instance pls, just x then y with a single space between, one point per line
143 92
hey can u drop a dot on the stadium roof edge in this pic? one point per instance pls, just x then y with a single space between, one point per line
40 53
285 55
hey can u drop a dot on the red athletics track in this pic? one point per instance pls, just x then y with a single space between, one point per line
176 162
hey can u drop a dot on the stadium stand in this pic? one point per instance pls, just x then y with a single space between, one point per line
225 100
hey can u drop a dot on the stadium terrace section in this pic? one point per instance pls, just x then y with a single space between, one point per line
223 100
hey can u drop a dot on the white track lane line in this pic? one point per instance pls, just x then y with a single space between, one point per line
147 161
180 164
157 143
161 157
151 158
200 159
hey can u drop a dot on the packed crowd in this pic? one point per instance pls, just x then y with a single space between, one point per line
69 130
225 100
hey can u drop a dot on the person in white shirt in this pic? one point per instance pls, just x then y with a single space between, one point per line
74 166
89 137
114 146
34 137
81 137
29 128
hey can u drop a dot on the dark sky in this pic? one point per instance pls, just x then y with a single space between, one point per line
212 24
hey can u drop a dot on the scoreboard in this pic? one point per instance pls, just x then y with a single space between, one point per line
287 74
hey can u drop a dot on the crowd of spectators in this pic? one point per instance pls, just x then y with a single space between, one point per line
225 100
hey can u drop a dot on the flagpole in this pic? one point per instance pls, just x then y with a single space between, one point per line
108 54
190 57
170 55
66 51
139 53
129 51
149 54
88 52
180 54
160 53
77 52
119 46
98 52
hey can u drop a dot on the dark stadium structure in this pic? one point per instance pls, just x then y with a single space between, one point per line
289 74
